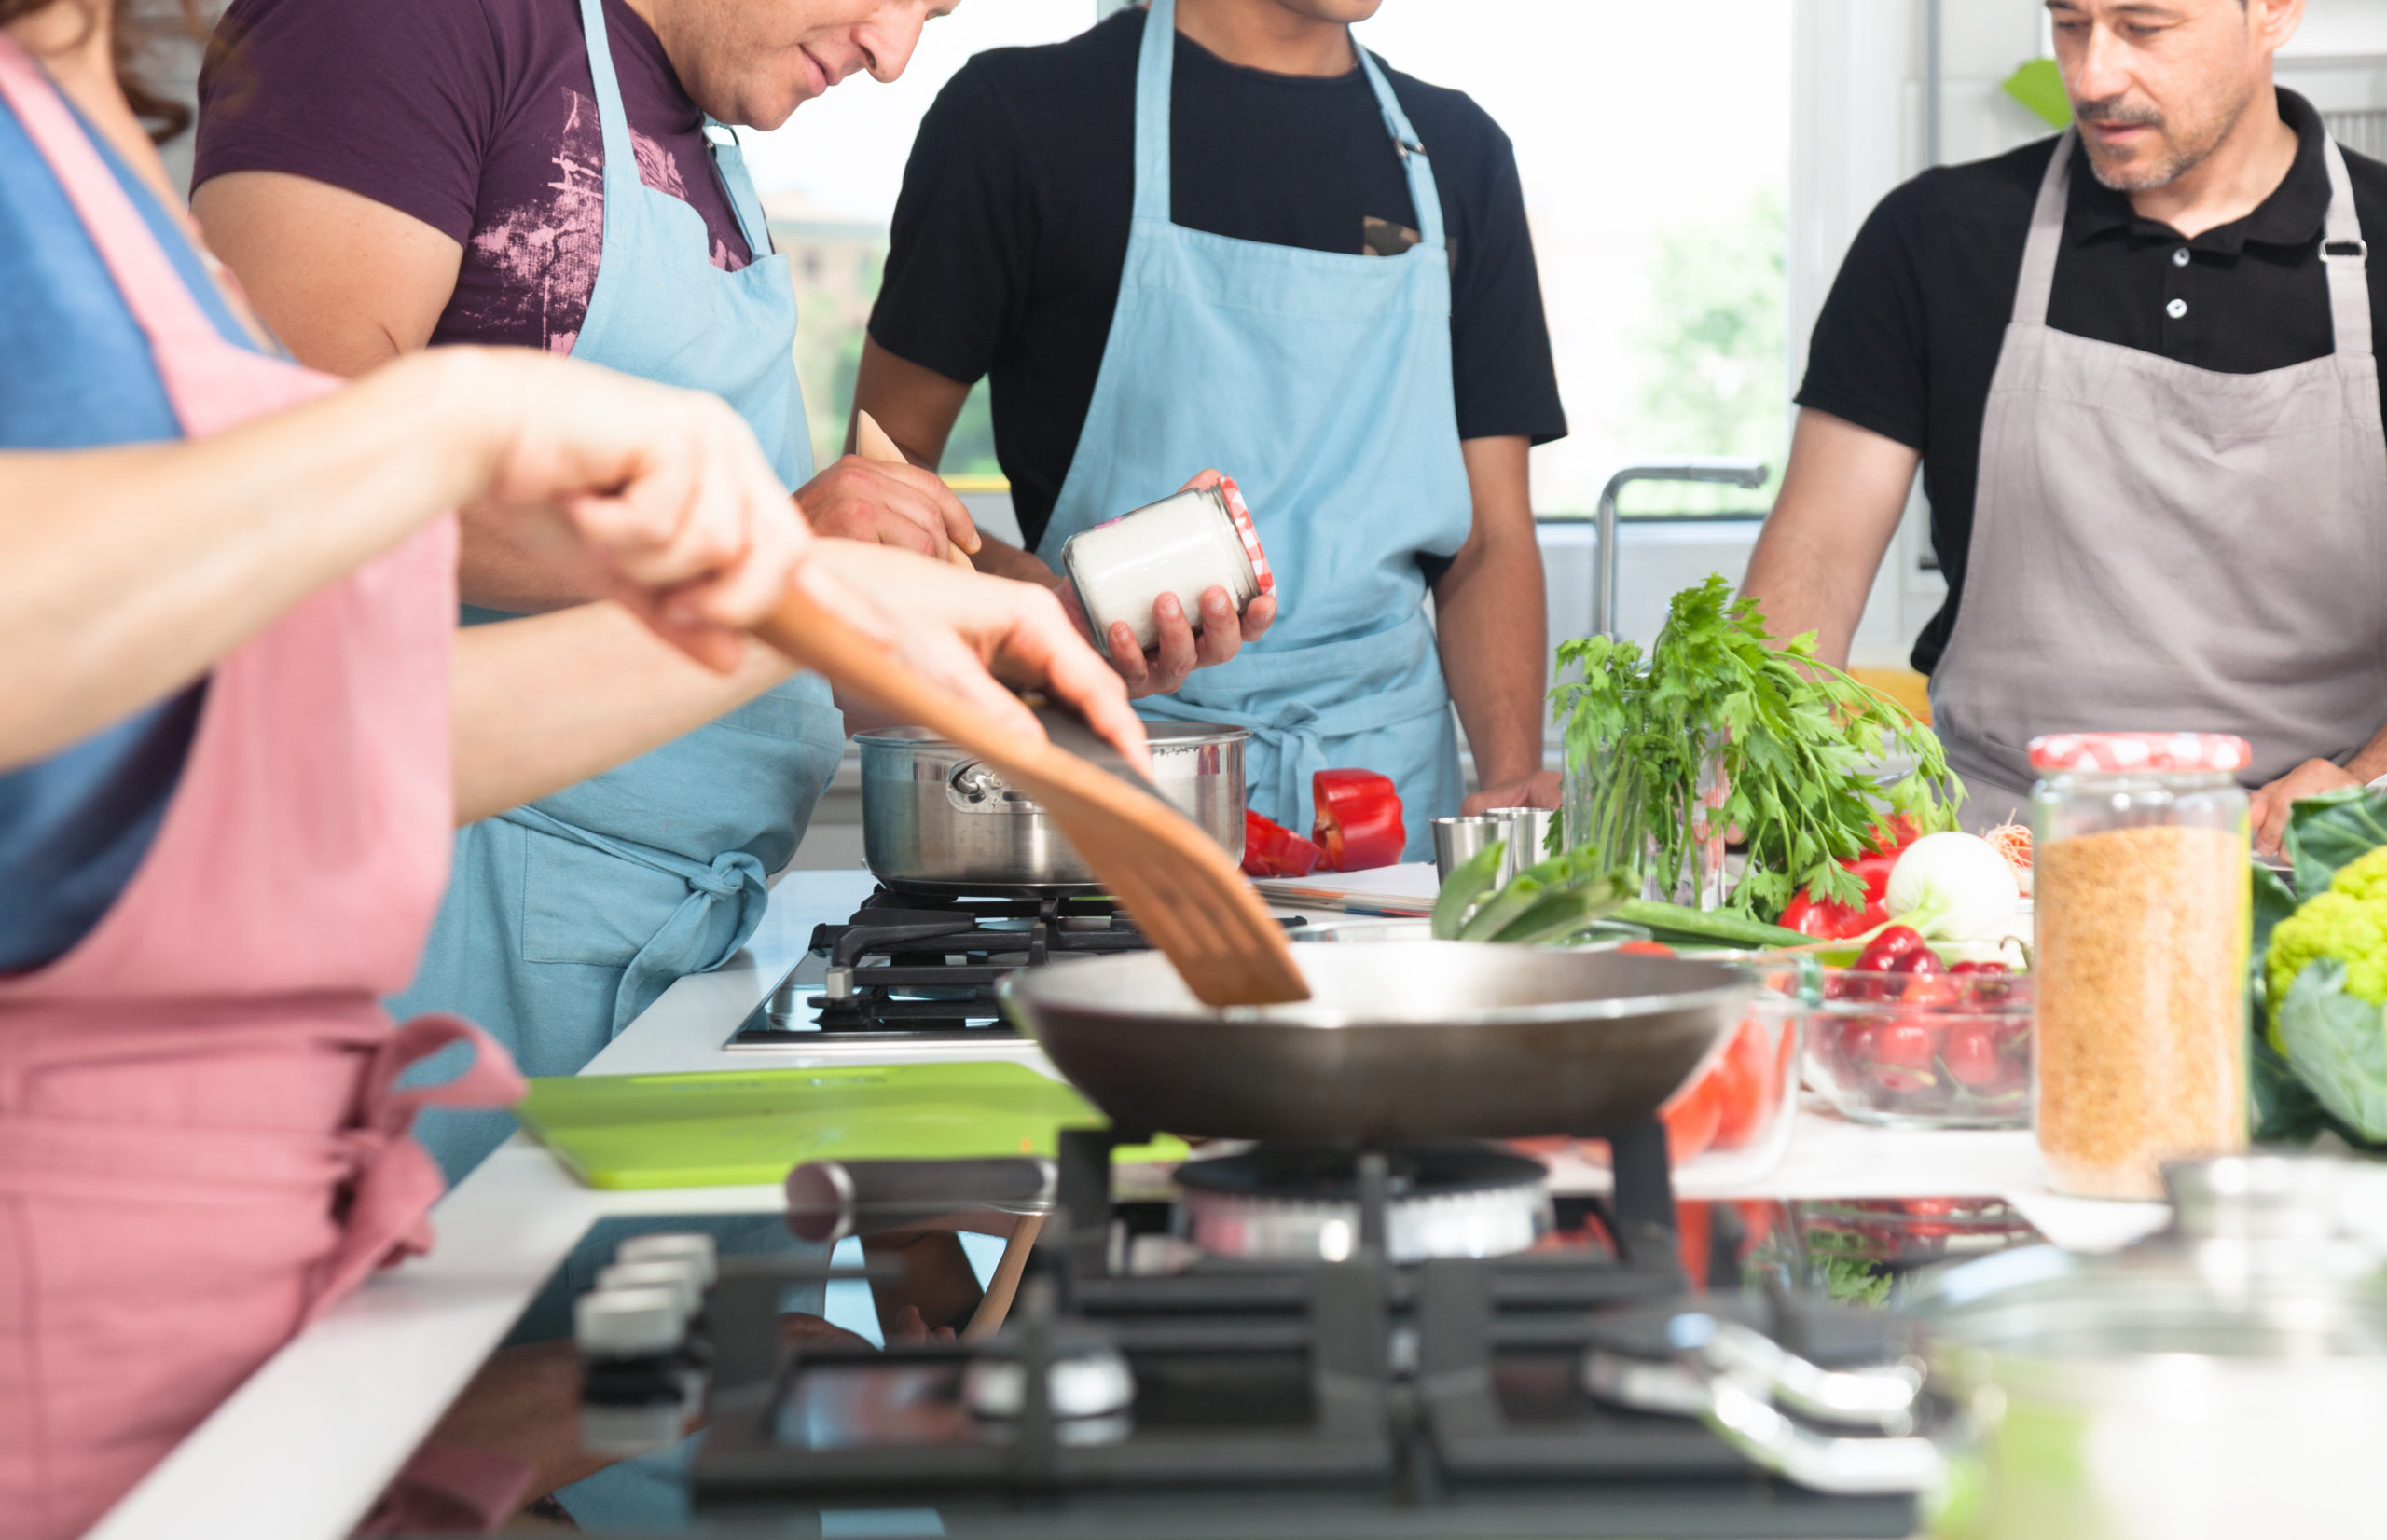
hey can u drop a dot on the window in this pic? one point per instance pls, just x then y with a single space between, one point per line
1653 143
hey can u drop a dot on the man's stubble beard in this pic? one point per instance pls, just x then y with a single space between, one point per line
2182 160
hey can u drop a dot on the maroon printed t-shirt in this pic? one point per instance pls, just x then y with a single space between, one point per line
477 117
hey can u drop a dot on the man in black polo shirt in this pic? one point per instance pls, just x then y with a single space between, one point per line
2141 381
1370 371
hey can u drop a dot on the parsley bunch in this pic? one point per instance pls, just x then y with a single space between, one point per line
1794 741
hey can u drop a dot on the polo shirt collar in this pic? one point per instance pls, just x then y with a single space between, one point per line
2292 215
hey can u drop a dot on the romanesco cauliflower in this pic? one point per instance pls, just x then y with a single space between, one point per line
2349 922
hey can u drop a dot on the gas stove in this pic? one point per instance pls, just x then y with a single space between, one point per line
912 967
1285 1342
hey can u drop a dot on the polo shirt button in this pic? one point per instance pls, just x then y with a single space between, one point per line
2180 257
2177 308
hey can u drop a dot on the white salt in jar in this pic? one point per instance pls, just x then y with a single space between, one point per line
1186 544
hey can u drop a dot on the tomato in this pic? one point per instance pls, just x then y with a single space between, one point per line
1692 1118
1971 1056
1647 949
1359 819
1747 1086
1987 967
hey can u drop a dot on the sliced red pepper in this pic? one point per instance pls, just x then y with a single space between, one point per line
1827 920
1359 819
1272 850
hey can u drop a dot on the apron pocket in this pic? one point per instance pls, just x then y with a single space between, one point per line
582 905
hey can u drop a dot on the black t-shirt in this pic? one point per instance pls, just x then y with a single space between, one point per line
1908 338
1012 229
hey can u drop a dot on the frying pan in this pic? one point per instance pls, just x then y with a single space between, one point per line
1399 1041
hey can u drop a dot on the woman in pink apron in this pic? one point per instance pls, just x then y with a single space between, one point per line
200 1145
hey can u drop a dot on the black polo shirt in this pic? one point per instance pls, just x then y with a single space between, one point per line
1011 231
1908 338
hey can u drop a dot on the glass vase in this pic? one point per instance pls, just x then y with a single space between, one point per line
1602 809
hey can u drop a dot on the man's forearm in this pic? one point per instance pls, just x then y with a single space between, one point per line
1842 497
2369 761
1002 560
1492 614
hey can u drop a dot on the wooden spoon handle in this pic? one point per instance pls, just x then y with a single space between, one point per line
872 442
996 1302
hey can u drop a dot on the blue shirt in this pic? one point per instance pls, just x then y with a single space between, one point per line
76 372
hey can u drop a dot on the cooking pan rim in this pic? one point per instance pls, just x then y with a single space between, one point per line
1019 984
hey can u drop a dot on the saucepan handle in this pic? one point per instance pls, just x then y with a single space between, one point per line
1739 1412
830 1200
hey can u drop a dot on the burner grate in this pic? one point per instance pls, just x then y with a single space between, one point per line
910 966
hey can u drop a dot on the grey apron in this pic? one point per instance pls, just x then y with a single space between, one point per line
2159 546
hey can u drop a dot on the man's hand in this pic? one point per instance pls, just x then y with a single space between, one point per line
1178 651
886 504
1536 790
2273 804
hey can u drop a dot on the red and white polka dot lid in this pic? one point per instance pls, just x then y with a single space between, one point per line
2187 753
1250 536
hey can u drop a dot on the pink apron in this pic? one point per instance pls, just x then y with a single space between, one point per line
199 1146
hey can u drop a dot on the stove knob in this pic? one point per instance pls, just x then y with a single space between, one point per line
1087 1382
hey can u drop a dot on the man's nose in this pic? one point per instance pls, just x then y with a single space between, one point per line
2100 73
888 39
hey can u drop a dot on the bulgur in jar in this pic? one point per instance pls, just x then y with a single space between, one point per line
2141 849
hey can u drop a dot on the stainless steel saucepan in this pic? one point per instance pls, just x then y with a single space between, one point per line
1399 1041
938 819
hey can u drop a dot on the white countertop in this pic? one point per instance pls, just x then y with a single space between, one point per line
300 1451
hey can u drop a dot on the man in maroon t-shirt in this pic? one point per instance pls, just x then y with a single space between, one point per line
384 177
388 176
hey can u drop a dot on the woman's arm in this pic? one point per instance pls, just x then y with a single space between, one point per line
129 572
522 732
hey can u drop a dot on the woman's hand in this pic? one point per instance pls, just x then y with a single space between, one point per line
966 630
658 498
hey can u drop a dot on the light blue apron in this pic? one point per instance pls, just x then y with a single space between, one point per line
566 919
1321 382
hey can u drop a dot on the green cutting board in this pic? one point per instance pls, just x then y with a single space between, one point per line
739 1127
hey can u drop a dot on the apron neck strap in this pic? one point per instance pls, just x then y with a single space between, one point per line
729 163
2345 256
2037 283
613 119
1155 74
2343 253
161 304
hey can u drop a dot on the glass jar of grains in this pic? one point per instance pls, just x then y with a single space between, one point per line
2139 873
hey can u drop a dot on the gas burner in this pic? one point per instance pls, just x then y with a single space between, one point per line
911 966
1278 1204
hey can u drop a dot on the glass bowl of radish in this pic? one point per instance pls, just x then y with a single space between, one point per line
1906 1038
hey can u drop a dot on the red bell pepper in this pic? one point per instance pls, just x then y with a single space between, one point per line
1359 819
1272 850
1827 920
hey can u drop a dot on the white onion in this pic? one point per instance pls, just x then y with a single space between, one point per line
1953 886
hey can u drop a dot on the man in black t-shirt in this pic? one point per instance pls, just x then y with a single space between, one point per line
1008 248
2136 369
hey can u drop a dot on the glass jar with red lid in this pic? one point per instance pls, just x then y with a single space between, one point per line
2140 849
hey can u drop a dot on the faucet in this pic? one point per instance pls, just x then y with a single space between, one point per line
1749 475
